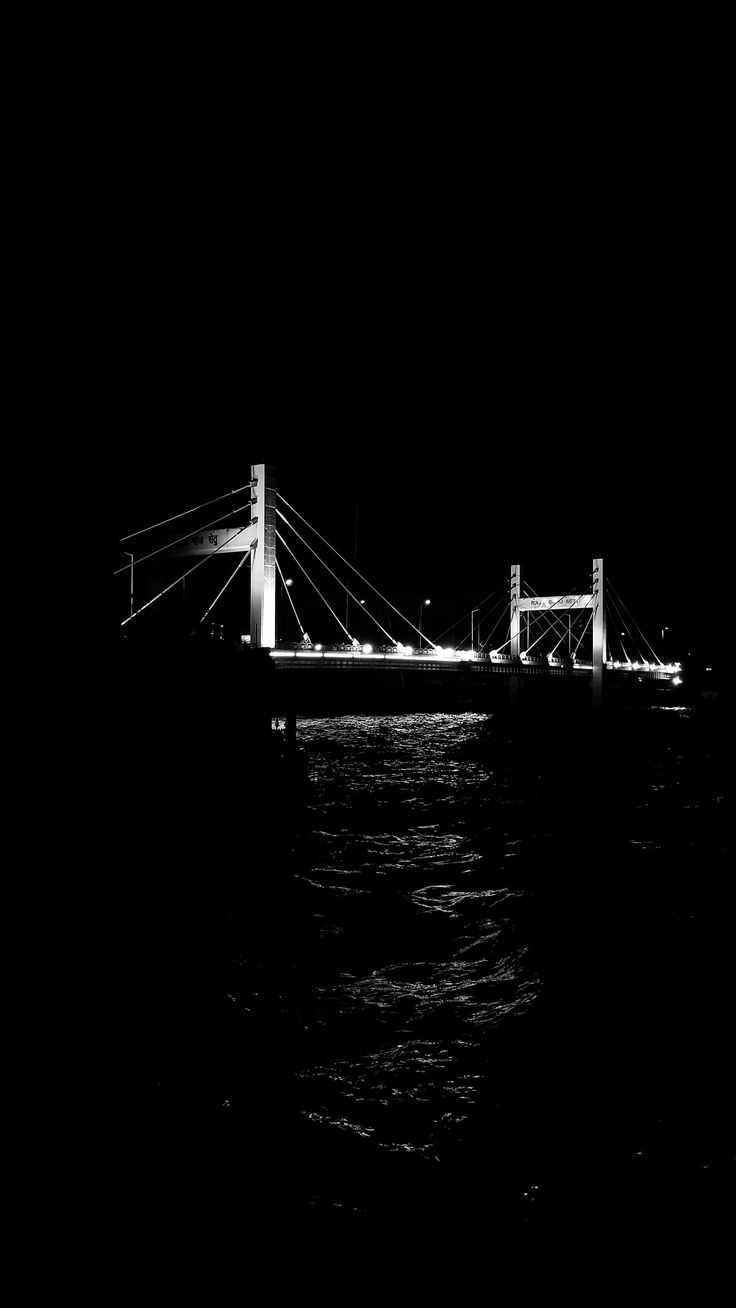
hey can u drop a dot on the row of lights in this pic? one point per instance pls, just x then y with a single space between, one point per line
647 667
466 655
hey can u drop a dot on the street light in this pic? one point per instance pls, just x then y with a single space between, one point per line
289 581
421 608
472 642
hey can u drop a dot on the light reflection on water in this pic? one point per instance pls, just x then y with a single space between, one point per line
398 802
489 945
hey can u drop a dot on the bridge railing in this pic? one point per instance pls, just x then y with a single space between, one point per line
399 655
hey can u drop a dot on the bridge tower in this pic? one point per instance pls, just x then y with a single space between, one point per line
516 579
263 561
599 633
521 605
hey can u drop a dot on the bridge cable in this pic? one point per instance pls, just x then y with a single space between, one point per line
464 617
166 589
288 593
227 583
562 637
186 513
499 619
332 574
126 566
547 632
617 605
358 574
590 619
536 619
567 633
502 604
549 613
482 613
614 620
620 618
532 623
316 587
620 599
613 590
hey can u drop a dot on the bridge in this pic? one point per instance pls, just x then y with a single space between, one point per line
566 636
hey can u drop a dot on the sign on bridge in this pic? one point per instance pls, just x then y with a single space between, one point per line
555 602
223 540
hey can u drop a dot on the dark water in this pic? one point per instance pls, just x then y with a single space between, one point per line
481 992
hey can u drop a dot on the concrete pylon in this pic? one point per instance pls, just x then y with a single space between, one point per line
263 559
516 579
600 653
515 647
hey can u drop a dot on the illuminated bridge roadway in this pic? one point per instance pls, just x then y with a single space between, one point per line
449 661
565 636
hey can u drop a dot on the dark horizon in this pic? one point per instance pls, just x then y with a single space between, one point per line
509 336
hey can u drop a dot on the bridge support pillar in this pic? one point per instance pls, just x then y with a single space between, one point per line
263 559
515 646
516 579
599 634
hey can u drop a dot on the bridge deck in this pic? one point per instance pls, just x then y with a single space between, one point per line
348 660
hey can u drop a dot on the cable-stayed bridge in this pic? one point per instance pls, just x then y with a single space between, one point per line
586 634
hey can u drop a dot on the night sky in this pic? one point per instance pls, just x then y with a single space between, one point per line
485 294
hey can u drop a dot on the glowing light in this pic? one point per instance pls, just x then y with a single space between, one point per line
289 581
677 681
318 647
367 649
407 649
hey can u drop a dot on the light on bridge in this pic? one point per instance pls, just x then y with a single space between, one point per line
677 681
367 649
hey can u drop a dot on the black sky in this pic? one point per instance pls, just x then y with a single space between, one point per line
486 291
